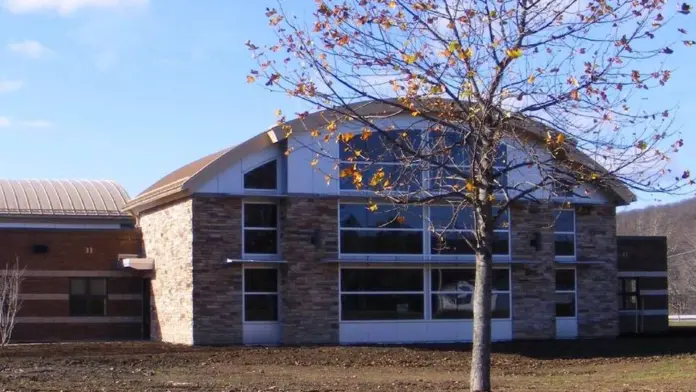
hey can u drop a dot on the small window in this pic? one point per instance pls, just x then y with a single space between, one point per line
628 294
261 228
565 293
88 296
565 233
261 294
264 177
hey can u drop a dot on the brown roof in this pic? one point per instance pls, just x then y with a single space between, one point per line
185 172
64 198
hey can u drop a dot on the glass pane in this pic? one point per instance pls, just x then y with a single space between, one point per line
391 146
260 215
629 285
261 307
381 306
78 286
452 279
565 221
97 306
452 306
452 243
263 177
97 286
501 243
78 306
442 217
565 304
565 245
381 279
386 216
381 242
460 306
503 221
403 178
500 306
261 242
628 302
501 279
565 280
263 280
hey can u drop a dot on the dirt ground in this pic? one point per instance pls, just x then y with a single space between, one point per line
646 364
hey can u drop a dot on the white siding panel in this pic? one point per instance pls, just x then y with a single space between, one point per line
382 332
302 177
566 328
231 179
261 333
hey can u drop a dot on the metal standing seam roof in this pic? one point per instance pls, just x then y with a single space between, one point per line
65 198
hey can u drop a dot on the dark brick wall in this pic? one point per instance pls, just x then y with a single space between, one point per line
71 332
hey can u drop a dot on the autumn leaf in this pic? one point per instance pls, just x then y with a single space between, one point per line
347 172
315 162
560 138
409 59
514 53
314 132
372 207
274 78
641 144
531 79
392 4
575 95
469 186
453 46
366 132
686 174
278 112
401 219
331 126
251 79
466 54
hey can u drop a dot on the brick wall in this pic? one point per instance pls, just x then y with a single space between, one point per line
45 291
217 288
168 238
533 280
598 314
310 290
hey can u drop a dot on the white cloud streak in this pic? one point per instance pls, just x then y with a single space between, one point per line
7 86
30 48
4 122
67 7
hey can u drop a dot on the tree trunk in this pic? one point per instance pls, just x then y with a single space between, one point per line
480 377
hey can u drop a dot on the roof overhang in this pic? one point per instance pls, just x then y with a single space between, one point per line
138 263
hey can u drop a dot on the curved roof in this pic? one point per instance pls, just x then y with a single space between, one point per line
64 198
182 181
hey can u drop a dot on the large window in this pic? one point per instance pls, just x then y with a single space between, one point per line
260 294
450 235
261 228
264 177
88 297
382 294
453 291
565 233
566 292
388 230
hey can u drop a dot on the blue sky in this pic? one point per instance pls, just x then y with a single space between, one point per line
130 90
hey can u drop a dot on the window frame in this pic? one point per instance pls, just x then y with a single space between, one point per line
261 190
623 294
426 293
277 229
572 257
432 292
574 292
88 296
422 293
245 294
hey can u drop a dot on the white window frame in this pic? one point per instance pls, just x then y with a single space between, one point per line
422 293
451 292
264 191
426 293
574 292
246 255
574 233
245 294
377 255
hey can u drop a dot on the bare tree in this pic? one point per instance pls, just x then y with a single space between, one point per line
560 84
10 303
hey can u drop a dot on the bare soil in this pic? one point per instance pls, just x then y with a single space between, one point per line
628 364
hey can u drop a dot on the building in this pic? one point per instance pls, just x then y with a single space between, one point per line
252 245
67 237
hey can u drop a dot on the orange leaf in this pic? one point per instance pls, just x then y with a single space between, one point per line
251 79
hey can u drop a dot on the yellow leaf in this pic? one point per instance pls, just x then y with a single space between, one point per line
409 59
453 46
415 113
491 197
392 4
466 54
560 138
347 172
514 53
315 162
469 186
251 79
575 95
327 178
314 132
346 137
531 79
331 126
278 112
366 134
372 207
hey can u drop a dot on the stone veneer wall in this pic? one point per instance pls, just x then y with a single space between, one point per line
598 314
533 276
167 236
217 288
310 289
